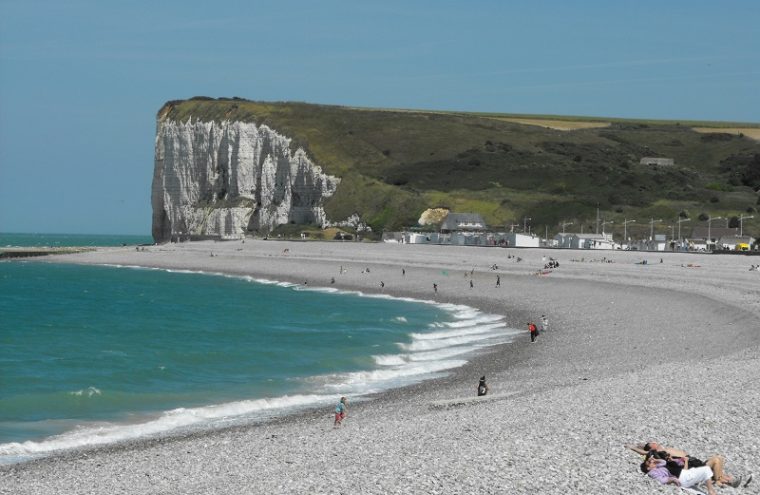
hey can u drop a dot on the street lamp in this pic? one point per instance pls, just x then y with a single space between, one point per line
625 229
525 223
709 225
741 224
605 223
565 224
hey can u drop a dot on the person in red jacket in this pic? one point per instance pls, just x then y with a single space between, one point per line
533 331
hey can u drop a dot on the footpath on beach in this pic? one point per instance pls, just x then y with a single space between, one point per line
666 350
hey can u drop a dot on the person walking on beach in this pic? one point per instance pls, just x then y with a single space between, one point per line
435 288
340 411
533 331
544 323
471 286
498 281
482 387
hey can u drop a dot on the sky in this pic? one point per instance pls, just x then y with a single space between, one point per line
81 81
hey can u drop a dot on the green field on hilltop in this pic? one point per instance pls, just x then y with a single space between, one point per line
394 164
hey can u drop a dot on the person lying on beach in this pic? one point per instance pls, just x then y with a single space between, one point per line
716 462
672 473
664 452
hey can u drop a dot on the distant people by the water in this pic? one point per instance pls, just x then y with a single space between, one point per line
403 272
332 280
482 387
498 281
435 288
471 284
533 329
382 284
341 410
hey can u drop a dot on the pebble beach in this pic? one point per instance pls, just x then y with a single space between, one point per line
665 351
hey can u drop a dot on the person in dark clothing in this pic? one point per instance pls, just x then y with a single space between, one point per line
482 387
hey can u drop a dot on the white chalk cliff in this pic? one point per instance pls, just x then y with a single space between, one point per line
223 179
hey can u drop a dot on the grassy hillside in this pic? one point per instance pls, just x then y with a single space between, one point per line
397 163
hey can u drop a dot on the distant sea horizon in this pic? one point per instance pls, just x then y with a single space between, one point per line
21 239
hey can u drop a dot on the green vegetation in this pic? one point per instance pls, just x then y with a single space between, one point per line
394 164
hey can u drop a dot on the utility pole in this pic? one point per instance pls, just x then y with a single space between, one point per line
651 228
597 222
709 232
741 224
525 223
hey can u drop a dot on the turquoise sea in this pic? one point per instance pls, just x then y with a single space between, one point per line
97 354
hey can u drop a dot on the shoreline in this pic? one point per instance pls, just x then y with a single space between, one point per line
701 318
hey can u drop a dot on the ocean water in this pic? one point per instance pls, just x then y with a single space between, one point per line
93 355
69 240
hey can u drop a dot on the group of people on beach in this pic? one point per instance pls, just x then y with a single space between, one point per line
672 466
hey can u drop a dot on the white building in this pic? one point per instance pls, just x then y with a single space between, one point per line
515 239
584 241
659 243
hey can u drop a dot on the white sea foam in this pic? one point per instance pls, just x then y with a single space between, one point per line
89 392
465 330
363 382
107 433
433 344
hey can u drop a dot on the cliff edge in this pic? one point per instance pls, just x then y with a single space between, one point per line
223 179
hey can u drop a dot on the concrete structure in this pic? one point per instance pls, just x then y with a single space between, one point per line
660 162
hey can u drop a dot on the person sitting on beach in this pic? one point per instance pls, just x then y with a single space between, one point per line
340 411
482 387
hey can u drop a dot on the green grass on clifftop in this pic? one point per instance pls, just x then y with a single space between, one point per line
396 163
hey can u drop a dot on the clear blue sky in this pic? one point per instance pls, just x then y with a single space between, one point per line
81 81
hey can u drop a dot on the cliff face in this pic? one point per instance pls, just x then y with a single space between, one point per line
223 179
